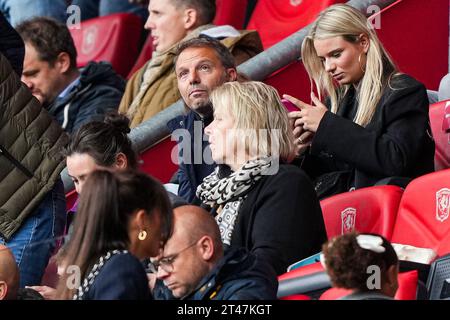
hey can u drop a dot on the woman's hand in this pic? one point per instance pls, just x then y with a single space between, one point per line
47 292
309 116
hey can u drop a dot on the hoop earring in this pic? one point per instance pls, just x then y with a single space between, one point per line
360 65
142 235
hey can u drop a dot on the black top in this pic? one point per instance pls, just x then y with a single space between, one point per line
191 150
122 277
281 220
239 275
397 142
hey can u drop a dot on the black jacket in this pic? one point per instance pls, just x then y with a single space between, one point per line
100 89
397 142
193 169
122 277
238 276
281 220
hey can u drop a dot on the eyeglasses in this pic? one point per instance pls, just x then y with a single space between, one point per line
166 263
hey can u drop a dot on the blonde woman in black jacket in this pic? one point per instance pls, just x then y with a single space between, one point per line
32 202
374 122
260 202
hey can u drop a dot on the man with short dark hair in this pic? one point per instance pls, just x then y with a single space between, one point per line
193 265
50 72
201 64
153 87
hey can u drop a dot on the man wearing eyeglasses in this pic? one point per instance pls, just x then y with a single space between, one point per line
193 265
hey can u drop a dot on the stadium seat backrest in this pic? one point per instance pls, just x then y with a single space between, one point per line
423 216
144 56
441 137
407 288
231 12
277 19
371 209
157 161
113 38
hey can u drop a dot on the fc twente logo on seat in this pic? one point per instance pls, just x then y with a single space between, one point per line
442 204
348 217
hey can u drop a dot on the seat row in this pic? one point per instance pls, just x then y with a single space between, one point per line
417 216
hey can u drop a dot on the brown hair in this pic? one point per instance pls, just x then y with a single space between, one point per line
206 9
50 38
104 140
347 263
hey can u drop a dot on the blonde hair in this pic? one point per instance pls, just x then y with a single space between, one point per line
257 106
347 22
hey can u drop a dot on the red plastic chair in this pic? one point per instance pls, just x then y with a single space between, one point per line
423 216
441 136
157 161
231 12
277 19
371 210
113 38
407 288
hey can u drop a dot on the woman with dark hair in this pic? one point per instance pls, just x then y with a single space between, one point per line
352 258
100 145
130 221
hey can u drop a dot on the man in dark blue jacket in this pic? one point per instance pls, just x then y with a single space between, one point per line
50 72
201 64
193 265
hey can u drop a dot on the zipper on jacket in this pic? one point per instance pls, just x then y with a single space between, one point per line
8 156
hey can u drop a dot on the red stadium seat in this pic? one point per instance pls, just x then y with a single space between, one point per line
407 288
277 19
296 297
334 294
371 209
423 216
157 161
113 38
440 134
231 12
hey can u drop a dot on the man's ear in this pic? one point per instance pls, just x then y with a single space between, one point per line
232 74
190 19
63 62
3 290
206 247
121 161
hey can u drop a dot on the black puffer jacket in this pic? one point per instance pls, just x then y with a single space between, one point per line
100 89
30 141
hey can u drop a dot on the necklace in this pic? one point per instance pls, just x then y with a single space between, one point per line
89 280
